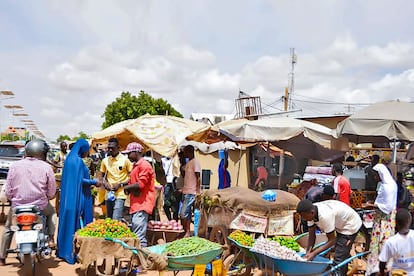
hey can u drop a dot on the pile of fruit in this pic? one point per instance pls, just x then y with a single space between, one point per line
275 250
190 246
171 225
106 228
242 238
288 242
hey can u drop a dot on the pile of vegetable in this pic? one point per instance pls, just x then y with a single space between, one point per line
242 238
190 246
106 228
171 225
275 250
288 242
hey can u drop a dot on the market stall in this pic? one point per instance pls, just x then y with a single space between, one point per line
244 209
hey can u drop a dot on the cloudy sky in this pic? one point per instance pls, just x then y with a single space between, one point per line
66 60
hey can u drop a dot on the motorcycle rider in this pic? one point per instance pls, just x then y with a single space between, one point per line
30 181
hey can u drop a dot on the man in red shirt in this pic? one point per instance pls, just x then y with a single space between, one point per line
341 185
141 191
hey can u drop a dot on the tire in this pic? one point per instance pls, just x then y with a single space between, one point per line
29 264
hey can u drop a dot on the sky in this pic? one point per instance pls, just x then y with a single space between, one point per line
66 61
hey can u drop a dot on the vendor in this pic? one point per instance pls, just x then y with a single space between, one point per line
340 223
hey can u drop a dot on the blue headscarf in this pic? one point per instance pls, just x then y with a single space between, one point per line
75 199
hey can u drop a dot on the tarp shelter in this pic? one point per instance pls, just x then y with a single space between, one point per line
159 133
380 122
301 138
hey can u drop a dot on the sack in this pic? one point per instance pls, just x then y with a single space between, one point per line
403 197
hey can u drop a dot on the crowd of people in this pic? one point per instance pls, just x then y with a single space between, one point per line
125 180
328 209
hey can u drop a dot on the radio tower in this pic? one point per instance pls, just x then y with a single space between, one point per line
291 86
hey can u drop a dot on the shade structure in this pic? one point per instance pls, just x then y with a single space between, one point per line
380 122
302 138
159 133
117 130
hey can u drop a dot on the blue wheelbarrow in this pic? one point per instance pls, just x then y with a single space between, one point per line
176 264
318 266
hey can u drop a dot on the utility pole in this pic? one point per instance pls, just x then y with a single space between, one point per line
291 86
286 98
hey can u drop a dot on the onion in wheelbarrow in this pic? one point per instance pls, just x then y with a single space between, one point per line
275 250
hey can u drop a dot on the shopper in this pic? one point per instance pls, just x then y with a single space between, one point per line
141 191
114 174
399 248
384 216
191 188
341 185
76 202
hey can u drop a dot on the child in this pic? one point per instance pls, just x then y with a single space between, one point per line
399 247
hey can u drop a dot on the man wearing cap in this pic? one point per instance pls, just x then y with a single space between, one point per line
141 190
337 220
114 174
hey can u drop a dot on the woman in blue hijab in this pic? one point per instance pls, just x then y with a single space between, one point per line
76 204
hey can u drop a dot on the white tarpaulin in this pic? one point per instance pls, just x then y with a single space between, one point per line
302 138
380 122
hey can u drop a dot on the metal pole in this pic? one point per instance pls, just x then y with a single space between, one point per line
394 152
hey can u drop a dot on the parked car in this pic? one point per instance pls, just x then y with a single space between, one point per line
10 151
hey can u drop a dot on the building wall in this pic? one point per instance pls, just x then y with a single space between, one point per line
210 161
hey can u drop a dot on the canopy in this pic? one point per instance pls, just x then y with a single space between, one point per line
380 122
159 133
240 198
302 138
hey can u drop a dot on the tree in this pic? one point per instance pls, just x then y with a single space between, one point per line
81 134
129 106
63 138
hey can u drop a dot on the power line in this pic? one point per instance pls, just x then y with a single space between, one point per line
331 103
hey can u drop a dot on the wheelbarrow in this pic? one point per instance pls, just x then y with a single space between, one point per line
242 261
318 266
176 264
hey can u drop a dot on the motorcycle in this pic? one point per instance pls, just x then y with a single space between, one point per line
29 225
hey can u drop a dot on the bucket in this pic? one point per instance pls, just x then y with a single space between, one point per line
221 154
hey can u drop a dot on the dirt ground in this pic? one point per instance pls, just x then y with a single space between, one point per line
55 266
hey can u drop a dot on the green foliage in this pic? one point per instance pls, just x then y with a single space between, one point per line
129 106
81 134
63 138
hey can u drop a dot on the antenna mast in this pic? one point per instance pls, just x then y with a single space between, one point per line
291 86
